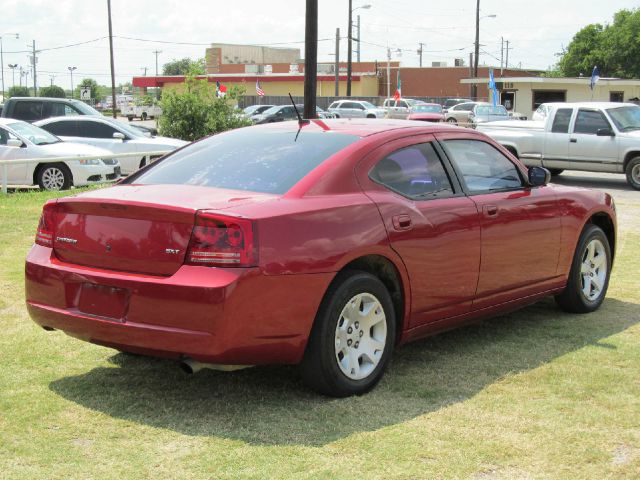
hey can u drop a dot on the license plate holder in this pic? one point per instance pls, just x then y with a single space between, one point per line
104 301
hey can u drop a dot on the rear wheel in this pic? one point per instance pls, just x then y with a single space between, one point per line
589 275
633 173
54 176
143 116
352 338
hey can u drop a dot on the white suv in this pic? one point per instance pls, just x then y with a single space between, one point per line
355 109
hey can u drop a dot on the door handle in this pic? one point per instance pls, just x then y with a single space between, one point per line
573 140
402 222
490 210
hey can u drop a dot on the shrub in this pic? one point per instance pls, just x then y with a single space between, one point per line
52 91
18 91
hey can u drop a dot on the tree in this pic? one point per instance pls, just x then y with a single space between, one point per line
184 66
52 91
196 112
93 85
18 91
614 48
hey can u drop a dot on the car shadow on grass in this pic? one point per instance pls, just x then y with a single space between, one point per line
271 406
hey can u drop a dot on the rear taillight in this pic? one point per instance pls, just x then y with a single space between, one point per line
47 225
220 241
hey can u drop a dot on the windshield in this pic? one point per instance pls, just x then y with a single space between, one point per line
253 159
625 118
428 108
491 110
35 135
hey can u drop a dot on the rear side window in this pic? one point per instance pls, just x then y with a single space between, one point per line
483 168
415 172
590 121
247 159
63 128
95 130
58 109
28 111
561 120
334 105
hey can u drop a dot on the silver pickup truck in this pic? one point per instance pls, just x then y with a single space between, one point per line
589 136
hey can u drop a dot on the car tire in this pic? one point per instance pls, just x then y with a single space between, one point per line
337 116
143 116
371 116
590 271
348 351
54 176
452 121
143 162
555 171
633 173
129 117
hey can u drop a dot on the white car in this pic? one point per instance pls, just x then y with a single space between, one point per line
355 109
22 141
112 135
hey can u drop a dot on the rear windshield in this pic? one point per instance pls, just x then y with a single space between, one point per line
267 161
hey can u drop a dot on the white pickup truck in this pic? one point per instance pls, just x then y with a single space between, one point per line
589 136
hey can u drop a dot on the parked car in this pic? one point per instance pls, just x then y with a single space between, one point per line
324 244
450 102
356 109
280 113
251 110
22 141
459 114
31 109
486 112
398 108
110 134
426 112
322 113
140 111
586 136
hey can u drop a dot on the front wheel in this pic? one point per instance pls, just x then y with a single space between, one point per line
54 176
555 171
633 173
352 337
589 276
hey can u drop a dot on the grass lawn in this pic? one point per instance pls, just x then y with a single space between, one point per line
534 394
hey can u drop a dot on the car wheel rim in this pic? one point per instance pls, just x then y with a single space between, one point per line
635 174
361 336
53 178
593 270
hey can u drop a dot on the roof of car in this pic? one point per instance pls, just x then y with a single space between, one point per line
360 126
81 118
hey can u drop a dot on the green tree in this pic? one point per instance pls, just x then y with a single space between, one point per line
184 66
18 91
52 91
614 48
96 92
196 112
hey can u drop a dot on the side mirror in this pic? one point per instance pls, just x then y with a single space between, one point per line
605 132
119 135
14 142
539 176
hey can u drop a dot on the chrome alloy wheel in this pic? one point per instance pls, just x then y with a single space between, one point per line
635 174
53 178
361 336
594 270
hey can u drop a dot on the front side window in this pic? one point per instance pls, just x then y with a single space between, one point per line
590 121
483 168
561 120
415 172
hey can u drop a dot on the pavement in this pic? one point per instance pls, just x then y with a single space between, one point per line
613 183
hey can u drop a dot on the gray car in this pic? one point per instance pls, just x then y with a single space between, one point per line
355 109
486 112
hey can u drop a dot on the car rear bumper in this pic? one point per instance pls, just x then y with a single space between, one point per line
227 316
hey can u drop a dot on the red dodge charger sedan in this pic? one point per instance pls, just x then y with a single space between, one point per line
321 243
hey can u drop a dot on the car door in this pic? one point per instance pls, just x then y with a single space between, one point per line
587 150
16 172
520 224
556 144
431 224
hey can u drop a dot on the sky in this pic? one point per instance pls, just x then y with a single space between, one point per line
536 29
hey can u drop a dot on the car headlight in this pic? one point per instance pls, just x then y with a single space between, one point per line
91 161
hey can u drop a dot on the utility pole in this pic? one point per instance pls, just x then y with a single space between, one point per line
337 67
144 69
506 62
420 52
359 43
13 67
2 63
501 55
71 69
349 46
52 78
156 53
21 75
310 59
471 73
474 87
388 72
113 74
34 61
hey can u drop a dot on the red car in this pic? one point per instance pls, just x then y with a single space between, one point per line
427 112
324 244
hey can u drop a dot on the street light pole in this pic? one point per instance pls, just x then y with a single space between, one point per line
71 69
2 60
113 75
349 46
13 67
476 51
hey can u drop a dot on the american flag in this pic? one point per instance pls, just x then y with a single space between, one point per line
259 90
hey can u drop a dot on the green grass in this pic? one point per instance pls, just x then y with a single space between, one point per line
534 394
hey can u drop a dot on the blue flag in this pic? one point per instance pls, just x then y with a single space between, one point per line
595 76
492 87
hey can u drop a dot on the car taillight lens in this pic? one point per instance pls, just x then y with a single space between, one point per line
46 226
220 241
